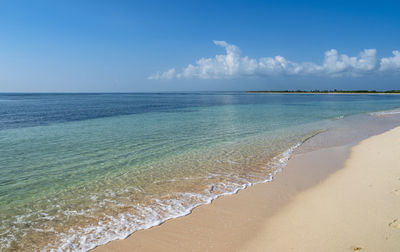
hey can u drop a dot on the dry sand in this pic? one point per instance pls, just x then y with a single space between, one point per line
312 205
356 208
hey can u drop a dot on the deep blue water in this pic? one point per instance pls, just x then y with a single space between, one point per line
26 110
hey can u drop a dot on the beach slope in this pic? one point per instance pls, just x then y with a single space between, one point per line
355 208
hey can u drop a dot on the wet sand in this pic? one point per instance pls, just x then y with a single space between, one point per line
332 199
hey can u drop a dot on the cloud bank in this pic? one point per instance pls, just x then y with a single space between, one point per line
233 65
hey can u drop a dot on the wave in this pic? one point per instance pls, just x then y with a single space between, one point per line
161 210
386 112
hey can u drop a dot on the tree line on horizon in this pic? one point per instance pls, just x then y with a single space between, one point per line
328 91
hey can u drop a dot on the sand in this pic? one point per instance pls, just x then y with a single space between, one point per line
333 199
356 208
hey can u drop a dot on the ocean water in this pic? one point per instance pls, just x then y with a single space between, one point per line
80 170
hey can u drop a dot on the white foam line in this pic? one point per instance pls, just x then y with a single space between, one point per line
88 237
386 112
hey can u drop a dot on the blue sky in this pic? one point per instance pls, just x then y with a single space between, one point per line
127 46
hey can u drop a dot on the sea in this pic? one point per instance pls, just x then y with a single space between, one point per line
82 169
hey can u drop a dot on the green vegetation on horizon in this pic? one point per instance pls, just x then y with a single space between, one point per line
335 91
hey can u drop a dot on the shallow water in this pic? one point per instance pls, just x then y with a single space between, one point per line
79 170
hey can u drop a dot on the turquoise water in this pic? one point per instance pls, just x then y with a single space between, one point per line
79 170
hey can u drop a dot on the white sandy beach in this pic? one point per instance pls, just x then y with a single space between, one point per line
356 208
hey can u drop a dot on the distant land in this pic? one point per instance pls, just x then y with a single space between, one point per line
334 91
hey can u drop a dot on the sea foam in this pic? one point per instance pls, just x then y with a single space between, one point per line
120 227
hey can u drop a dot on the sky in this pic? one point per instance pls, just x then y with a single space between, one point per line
153 46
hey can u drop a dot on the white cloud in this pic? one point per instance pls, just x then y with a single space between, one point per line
170 74
233 65
391 63
335 64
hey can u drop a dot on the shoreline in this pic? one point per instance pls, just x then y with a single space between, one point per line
231 222
264 199
355 208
